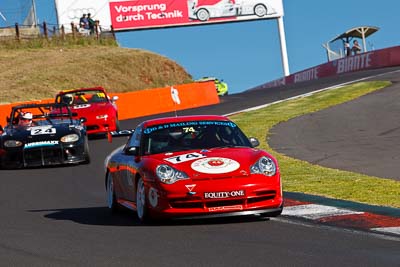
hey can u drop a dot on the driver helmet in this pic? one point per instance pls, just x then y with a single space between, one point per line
68 99
25 118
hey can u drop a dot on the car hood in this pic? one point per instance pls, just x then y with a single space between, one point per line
218 162
40 132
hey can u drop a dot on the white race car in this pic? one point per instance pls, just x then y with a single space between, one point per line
229 8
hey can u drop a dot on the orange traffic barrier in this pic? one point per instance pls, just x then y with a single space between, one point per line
148 102
159 100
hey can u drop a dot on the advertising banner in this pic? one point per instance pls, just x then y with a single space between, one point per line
139 14
377 59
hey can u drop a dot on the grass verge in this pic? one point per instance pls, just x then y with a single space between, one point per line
304 177
34 74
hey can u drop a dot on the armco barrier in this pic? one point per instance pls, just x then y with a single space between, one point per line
148 102
382 58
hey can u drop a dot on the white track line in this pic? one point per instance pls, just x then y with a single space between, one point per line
391 230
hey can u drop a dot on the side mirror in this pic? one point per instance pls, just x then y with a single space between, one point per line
114 98
254 142
133 151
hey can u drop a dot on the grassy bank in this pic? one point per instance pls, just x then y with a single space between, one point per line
301 176
39 73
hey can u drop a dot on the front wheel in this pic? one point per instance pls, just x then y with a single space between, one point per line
260 10
141 203
117 124
203 15
111 198
86 151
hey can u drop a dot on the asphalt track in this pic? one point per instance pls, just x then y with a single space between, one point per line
58 217
362 136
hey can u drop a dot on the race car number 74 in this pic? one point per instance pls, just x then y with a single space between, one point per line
185 157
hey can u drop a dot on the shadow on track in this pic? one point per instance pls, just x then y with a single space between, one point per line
103 216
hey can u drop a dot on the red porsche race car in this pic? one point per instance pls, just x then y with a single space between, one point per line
94 104
192 167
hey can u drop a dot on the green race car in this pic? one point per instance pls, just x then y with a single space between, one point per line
220 85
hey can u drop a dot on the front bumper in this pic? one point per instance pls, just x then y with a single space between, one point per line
100 128
43 156
253 198
264 212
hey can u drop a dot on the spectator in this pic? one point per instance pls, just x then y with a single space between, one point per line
91 23
83 21
84 25
347 48
356 47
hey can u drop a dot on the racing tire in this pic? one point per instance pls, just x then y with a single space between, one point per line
260 10
111 198
117 125
141 202
203 14
86 151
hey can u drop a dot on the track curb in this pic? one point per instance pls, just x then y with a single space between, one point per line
341 213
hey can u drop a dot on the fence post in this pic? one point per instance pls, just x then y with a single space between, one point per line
17 35
73 30
46 35
62 32
112 32
96 26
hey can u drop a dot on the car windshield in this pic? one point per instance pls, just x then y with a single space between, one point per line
190 135
41 115
82 97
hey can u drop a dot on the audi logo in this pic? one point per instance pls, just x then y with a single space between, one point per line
77 13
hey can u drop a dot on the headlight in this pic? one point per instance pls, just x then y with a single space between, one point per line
169 175
102 117
12 143
264 166
69 138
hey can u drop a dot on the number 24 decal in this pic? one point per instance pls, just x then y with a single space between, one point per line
38 131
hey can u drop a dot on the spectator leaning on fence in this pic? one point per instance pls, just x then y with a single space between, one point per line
356 47
83 21
84 24
91 23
